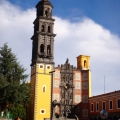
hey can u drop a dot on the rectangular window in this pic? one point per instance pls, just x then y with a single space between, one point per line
85 76
77 85
48 67
56 83
41 66
57 74
77 76
92 107
77 98
103 105
118 103
85 85
97 106
110 104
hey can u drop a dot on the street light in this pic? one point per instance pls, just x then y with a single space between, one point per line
103 114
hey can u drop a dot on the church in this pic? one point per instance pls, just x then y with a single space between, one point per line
57 92
61 91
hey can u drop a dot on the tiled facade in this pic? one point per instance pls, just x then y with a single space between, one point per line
82 87
77 86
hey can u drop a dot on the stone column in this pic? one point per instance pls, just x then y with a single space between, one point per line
52 46
52 28
45 45
39 43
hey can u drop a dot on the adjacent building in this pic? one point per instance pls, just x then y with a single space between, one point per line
79 82
109 101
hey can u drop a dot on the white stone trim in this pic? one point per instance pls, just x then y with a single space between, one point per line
48 66
41 65
42 111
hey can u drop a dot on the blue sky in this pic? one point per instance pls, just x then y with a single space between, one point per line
83 27
103 12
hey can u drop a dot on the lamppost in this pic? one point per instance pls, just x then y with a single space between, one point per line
51 72
103 114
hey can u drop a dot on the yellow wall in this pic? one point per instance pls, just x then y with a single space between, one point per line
41 99
80 62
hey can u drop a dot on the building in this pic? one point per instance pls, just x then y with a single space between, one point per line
42 61
109 101
64 90
79 82
70 86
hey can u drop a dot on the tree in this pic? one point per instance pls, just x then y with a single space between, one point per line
14 91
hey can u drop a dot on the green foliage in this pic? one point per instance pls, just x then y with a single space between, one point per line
14 91
18 111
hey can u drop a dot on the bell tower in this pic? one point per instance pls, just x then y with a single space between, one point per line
42 62
43 38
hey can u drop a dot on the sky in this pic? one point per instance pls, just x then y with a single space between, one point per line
83 27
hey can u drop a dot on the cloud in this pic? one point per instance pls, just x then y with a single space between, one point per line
84 37
16 28
89 38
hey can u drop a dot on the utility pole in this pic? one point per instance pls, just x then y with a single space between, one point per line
104 84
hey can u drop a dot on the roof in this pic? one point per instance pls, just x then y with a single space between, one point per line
44 2
105 95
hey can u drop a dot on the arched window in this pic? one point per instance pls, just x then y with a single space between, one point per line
42 48
49 29
85 63
44 88
43 28
46 13
48 49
